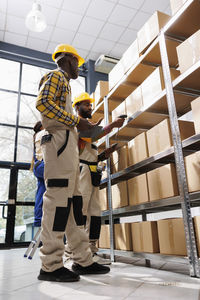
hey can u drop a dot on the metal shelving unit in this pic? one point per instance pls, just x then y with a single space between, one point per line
162 52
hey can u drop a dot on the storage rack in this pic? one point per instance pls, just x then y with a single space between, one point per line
162 52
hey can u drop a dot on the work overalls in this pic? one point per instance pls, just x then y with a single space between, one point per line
62 201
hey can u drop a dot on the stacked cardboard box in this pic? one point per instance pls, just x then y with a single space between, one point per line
103 199
176 5
101 91
138 190
192 166
104 239
195 104
159 138
189 52
119 110
134 102
137 149
162 182
145 237
172 237
123 240
197 232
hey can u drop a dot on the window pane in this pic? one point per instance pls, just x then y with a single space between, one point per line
7 138
31 76
28 115
26 187
77 86
9 75
8 111
24 224
25 145
4 187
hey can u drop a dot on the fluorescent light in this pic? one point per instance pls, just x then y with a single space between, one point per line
35 20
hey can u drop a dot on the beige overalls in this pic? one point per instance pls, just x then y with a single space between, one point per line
62 201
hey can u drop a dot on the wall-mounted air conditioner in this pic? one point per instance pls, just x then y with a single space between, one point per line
105 63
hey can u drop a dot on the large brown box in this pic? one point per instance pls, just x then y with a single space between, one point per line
119 110
128 59
103 199
172 236
104 239
138 190
123 240
151 29
159 138
134 102
119 160
154 84
192 166
195 104
145 237
197 232
137 149
101 91
189 52
176 5
162 182
119 195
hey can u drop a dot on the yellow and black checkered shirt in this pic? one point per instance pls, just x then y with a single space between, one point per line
51 100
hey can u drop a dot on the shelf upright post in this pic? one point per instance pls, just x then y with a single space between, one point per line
179 160
111 221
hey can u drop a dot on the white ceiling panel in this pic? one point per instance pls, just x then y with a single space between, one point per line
19 10
51 47
111 32
128 36
45 35
118 50
51 14
168 10
103 46
83 41
139 20
20 40
131 3
1 35
62 36
83 53
91 26
68 20
100 9
122 15
93 55
36 44
77 6
151 6
53 3
3 5
2 21
16 25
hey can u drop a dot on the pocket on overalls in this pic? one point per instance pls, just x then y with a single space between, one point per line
62 148
95 176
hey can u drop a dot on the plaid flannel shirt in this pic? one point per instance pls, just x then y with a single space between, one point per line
51 100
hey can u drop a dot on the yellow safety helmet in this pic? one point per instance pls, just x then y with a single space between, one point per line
68 49
82 97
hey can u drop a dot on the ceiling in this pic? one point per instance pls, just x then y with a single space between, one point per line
94 27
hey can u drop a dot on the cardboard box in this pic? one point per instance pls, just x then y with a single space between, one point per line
159 138
154 84
119 110
197 232
172 236
151 29
128 59
176 5
119 159
134 102
189 52
162 182
138 190
103 199
192 167
119 195
137 149
101 91
123 240
195 104
104 239
145 237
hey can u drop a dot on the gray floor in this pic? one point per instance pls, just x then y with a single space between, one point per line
18 280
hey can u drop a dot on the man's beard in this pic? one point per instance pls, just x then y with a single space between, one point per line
85 114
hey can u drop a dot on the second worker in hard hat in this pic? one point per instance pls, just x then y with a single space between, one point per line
62 201
89 175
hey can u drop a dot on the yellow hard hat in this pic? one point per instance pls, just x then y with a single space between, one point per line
82 97
68 49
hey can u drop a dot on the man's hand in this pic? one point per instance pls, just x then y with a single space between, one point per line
84 124
117 123
107 152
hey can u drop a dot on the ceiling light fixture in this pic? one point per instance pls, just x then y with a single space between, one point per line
35 20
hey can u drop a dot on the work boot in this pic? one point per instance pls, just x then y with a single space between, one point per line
100 260
91 269
59 275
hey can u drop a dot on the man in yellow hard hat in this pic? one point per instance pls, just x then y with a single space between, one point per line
90 176
62 201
